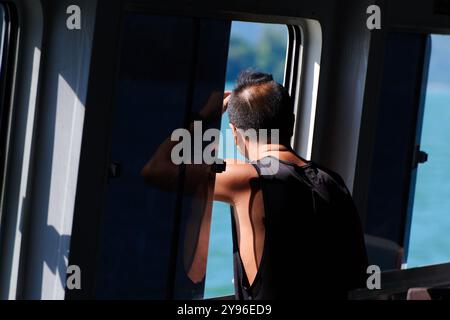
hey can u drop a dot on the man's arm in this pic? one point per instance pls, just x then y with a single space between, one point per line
234 181
160 170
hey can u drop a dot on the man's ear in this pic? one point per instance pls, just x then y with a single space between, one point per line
233 128
235 133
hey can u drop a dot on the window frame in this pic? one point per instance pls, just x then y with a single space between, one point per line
419 156
396 283
8 61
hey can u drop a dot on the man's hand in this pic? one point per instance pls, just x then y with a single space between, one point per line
226 98
210 110
161 171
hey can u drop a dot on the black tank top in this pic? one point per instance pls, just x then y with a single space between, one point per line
313 245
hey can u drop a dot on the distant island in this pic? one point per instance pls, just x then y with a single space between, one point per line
263 47
264 51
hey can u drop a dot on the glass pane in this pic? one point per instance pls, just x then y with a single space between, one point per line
429 240
150 235
260 47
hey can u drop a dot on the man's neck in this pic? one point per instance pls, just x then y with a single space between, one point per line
278 151
259 151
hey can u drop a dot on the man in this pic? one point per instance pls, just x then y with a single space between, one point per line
298 232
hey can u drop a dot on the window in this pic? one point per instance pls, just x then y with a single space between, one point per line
429 242
147 242
261 47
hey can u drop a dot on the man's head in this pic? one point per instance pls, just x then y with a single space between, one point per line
258 102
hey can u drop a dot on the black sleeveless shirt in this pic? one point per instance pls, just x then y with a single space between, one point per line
313 244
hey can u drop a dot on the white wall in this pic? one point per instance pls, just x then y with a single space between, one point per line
48 171
18 180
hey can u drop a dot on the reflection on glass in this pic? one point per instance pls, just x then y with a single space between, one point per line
154 235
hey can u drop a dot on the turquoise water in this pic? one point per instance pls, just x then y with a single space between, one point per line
430 229
219 272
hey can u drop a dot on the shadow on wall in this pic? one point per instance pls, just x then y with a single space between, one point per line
41 197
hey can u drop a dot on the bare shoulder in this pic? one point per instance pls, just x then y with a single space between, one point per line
235 180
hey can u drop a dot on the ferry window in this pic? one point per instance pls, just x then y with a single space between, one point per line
429 242
260 47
